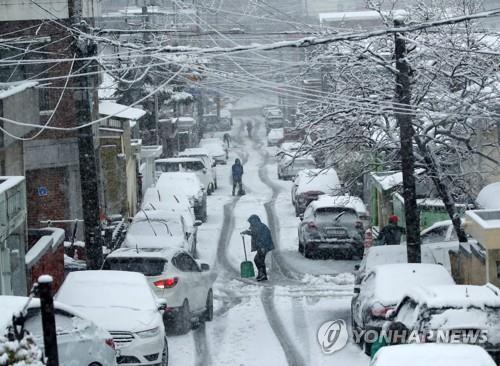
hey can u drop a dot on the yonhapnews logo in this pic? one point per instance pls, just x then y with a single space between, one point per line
333 336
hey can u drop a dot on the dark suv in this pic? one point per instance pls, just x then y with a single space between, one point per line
337 230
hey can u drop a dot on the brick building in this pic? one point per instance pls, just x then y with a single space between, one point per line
51 161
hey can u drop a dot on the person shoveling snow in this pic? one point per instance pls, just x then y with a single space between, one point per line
262 243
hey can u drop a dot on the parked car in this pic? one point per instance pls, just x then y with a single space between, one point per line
439 232
197 165
310 184
80 341
124 305
274 136
330 224
288 149
464 308
385 286
435 253
270 107
205 155
289 167
274 121
432 354
174 275
189 185
161 228
154 199
216 148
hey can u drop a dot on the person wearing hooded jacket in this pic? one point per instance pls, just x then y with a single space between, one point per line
262 243
237 172
391 233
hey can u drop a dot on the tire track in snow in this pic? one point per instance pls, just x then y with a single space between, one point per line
293 356
201 345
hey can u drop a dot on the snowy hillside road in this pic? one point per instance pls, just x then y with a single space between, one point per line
273 322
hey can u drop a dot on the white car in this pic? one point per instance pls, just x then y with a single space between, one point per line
205 155
385 286
187 185
80 341
187 164
435 253
439 232
459 309
310 184
432 354
274 136
159 228
216 148
290 166
123 304
175 276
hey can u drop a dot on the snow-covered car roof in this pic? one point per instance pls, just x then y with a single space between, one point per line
323 180
150 241
179 160
290 146
12 305
276 133
164 253
393 280
183 180
325 201
435 354
455 296
198 151
390 254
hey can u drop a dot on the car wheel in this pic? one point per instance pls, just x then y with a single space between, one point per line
183 319
308 252
367 348
164 354
209 310
210 189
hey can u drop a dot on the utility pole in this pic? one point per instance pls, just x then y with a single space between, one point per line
44 289
404 119
89 168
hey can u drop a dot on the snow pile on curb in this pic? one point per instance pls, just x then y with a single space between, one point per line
342 279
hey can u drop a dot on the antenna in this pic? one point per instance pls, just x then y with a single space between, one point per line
159 196
150 223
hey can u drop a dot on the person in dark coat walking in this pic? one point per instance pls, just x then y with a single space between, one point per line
237 172
391 233
262 243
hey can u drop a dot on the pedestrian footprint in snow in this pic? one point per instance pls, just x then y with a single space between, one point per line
262 243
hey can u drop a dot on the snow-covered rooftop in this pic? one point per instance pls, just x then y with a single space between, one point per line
390 179
10 89
120 111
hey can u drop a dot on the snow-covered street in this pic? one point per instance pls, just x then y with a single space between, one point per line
273 322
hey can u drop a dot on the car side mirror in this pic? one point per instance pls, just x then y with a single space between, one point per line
198 223
161 304
301 217
356 267
204 267
357 290
204 170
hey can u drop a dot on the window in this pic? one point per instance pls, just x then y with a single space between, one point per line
340 215
193 165
185 263
146 266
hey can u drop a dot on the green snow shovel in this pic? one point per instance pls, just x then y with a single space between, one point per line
246 267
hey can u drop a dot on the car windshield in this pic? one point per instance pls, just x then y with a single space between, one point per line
336 215
193 166
146 266
166 167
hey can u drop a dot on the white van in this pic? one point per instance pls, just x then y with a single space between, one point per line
187 164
